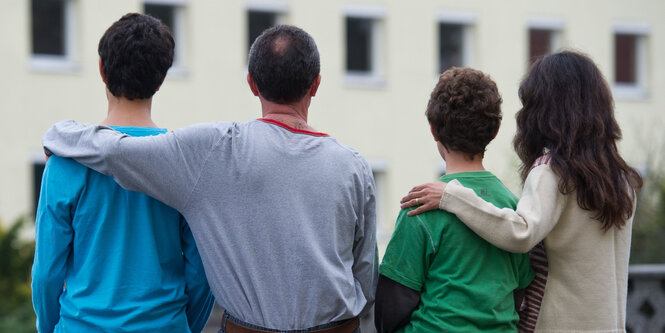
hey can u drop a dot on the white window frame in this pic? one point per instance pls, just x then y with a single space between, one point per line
556 27
66 63
178 68
375 78
466 19
279 7
638 90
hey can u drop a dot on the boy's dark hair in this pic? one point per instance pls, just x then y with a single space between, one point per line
464 110
136 52
284 62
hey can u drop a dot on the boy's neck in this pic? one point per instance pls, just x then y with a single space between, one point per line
125 112
457 162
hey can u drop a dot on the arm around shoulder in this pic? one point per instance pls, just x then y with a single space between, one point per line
517 230
164 166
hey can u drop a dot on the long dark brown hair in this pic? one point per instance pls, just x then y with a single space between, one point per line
568 110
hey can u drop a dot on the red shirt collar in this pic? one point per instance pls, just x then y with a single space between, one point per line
291 129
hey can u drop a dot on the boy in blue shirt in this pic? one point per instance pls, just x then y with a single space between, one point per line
108 259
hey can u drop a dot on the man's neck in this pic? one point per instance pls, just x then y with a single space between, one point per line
293 115
457 162
125 112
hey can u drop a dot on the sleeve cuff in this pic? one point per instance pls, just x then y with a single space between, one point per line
446 194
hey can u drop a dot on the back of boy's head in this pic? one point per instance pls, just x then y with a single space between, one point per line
464 110
136 52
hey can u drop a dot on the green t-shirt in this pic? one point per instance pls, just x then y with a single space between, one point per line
466 283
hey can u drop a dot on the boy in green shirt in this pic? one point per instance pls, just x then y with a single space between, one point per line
437 275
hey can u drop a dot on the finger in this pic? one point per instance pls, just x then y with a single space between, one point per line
421 209
412 195
408 203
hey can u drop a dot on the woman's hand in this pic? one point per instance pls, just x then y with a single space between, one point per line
425 196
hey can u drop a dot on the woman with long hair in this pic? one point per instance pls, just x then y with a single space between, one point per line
578 197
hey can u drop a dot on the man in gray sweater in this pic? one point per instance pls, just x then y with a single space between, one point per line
280 252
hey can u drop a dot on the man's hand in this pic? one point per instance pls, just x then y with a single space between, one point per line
426 196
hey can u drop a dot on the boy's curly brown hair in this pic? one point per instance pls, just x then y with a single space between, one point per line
464 110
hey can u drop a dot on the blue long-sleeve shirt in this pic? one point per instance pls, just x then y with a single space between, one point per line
112 260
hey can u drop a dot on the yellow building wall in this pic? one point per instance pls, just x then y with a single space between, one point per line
386 123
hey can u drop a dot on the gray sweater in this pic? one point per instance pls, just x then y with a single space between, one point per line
284 220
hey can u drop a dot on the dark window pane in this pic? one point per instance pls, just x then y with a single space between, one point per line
625 47
165 13
451 46
358 44
48 27
37 171
257 22
540 44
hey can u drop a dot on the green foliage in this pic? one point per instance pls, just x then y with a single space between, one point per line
16 314
21 320
648 246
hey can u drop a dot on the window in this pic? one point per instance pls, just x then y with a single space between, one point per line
540 44
544 37
625 51
263 15
455 32
630 61
171 14
359 44
451 46
38 165
363 58
52 28
257 21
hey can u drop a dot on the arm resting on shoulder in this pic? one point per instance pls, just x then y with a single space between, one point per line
519 230
165 166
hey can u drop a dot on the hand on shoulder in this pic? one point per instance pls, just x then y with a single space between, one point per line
426 197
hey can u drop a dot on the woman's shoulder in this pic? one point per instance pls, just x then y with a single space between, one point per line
542 160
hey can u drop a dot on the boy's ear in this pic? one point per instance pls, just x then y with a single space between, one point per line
101 71
431 128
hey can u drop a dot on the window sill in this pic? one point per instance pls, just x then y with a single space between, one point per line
53 64
629 92
363 80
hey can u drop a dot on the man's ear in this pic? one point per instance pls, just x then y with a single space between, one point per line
431 128
101 71
315 86
252 85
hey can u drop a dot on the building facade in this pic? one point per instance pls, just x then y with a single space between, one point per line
380 60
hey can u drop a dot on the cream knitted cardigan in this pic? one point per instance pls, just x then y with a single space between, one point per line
588 267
